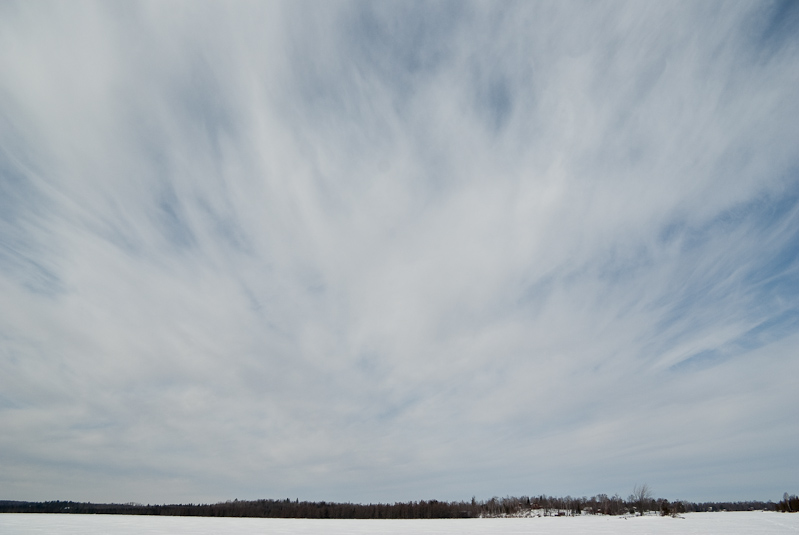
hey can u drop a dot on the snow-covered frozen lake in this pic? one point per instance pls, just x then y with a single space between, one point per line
732 523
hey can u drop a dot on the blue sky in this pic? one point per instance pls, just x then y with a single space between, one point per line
398 251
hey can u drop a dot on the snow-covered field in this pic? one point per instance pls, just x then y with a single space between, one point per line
745 523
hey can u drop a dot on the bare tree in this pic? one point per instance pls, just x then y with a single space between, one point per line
641 496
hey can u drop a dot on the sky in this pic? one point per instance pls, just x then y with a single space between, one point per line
394 251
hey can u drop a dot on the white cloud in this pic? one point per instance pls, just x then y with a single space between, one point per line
387 252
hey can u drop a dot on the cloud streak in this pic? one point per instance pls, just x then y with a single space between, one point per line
383 252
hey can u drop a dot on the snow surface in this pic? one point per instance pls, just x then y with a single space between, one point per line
732 523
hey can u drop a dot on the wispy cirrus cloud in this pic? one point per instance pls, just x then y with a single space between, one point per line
382 252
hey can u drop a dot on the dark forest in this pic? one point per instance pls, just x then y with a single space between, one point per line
541 505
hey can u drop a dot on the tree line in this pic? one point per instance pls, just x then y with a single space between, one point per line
542 505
